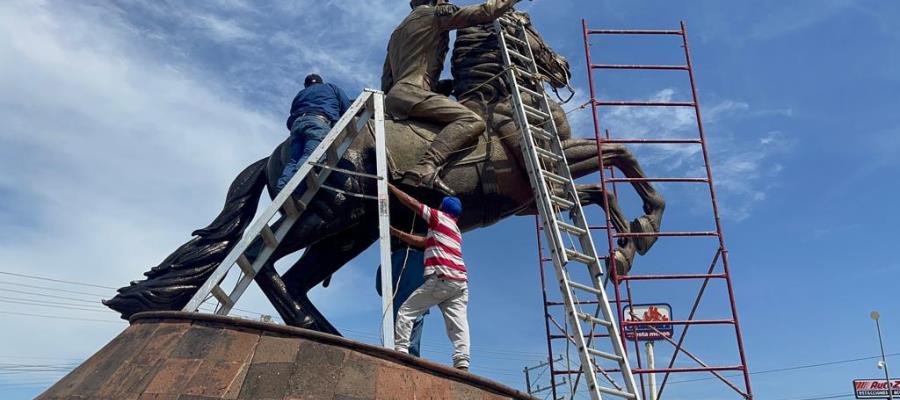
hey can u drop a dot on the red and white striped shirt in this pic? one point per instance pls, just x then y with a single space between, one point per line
443 246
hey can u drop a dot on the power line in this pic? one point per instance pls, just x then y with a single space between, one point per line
60 317
794 368
17 284
56 280
51 304
50 296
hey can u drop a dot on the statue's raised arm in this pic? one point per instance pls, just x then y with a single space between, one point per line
453 17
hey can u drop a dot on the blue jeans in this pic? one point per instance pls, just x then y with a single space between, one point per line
306 134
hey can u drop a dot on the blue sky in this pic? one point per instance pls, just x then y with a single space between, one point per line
125 121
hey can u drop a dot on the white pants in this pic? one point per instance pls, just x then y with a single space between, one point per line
453 298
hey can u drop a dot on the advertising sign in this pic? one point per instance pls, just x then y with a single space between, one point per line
650 313
875 388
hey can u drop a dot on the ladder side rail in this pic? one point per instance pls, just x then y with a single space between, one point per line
550 230
587 244
534 171
262 258
610 234
384 223
712 194
263 220
586 357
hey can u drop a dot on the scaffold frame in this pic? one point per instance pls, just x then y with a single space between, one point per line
623 294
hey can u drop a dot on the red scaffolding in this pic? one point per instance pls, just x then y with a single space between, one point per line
681 358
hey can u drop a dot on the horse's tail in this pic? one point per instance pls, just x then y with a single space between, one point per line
172 283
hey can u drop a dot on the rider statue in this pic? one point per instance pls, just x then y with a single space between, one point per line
412 68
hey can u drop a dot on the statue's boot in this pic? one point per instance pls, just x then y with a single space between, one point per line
426 173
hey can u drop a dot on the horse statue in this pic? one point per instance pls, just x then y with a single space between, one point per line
489 177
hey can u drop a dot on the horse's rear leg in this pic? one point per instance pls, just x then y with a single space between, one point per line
318 263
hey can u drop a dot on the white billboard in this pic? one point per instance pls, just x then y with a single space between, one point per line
875 388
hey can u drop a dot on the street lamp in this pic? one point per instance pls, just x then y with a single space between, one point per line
887 376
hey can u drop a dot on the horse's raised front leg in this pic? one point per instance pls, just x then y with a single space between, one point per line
624 253
582 157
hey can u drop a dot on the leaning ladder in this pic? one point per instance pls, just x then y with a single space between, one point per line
370 103
555 195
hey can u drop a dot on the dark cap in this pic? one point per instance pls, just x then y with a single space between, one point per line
312 79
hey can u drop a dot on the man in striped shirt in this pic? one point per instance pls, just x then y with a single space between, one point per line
446 284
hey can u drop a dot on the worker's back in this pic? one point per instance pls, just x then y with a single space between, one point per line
325 99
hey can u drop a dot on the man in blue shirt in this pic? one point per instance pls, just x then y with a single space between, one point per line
313 112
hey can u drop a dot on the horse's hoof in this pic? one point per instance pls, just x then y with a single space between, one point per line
624 259
643 224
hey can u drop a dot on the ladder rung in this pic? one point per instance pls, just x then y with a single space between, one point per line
514 39
645 103
616 392
562 203
531 92
571 228
634 66
537 113
347 171
220 295
541 133
632 32
520 56
586 288
245 265
524 73
582 258
548 154
653 141
292 208
594 320
608 356
269 237
331 157
312 181
555 178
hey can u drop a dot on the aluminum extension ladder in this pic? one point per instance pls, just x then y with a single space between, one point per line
370 103
555 195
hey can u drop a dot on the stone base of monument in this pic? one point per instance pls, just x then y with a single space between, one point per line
174 355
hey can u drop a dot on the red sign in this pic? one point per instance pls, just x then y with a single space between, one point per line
875 388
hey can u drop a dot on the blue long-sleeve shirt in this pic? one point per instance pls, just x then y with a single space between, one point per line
323 98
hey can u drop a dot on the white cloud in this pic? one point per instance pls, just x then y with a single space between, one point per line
742 164
110 157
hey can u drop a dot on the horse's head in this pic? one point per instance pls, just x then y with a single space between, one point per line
552 65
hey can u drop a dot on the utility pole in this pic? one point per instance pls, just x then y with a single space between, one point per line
533 390
887 376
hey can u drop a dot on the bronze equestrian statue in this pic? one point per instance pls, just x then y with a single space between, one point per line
415 58
489 177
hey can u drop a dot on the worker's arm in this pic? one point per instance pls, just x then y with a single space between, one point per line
453 17
410 239
406 200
